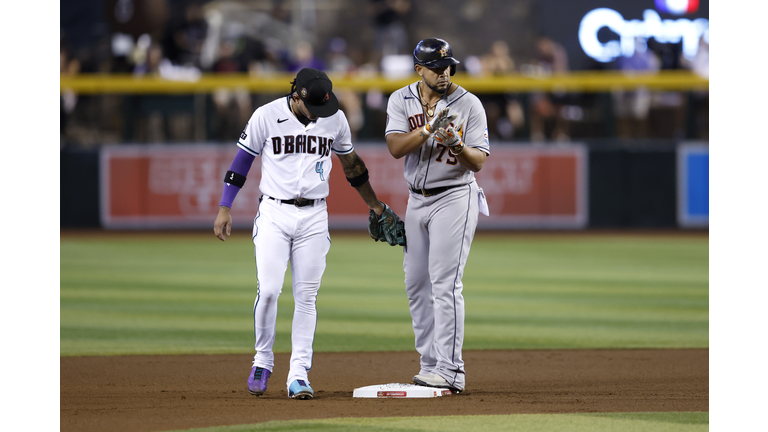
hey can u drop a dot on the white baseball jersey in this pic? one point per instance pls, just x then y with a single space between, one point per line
295 163
296 159
432 165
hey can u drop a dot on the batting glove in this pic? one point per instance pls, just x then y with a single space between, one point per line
451 138
441 120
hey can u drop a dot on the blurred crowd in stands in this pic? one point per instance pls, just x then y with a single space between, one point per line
205 37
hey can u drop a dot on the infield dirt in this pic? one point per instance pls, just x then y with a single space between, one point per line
156 393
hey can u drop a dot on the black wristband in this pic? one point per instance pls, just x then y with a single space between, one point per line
234 179
359 180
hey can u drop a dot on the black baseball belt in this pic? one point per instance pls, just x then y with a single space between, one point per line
434 191
298 202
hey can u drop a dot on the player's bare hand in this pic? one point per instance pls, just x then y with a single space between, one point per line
223 224
441 120
379 209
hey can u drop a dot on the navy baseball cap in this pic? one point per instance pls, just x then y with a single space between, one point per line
315 89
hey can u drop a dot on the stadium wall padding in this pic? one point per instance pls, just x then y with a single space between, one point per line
79 189
628 187
632 188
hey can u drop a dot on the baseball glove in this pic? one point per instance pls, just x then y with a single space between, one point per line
386 228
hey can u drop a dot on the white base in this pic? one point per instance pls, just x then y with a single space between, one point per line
395 390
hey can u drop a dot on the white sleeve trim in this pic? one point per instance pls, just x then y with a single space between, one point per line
343 152
248 150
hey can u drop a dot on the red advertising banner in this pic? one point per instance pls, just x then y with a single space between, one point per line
171 186
179 186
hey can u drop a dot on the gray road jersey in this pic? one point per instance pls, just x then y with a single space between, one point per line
432 165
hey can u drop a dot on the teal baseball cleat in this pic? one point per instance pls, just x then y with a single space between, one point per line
300 389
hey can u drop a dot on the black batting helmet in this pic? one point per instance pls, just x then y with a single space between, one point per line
434 53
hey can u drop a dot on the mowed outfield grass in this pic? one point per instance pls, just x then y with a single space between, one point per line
147 293
592 422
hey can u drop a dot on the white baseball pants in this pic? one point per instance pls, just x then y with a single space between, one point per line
282 233
440 230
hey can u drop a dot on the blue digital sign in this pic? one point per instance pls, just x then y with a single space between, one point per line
693 185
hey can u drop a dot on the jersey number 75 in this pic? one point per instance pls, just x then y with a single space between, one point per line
451 160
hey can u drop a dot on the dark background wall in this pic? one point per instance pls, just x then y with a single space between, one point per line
79 189
632 187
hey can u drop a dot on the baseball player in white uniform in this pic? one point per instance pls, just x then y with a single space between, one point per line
294 136
441 130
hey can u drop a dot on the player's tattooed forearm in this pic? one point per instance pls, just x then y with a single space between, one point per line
353 165
367 194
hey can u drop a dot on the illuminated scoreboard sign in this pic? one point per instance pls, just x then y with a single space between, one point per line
628 31
677 7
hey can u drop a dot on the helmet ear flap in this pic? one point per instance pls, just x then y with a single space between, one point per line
453 69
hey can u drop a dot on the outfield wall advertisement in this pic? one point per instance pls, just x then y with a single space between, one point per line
179 186
693 185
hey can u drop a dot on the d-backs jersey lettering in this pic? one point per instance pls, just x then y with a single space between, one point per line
295 160
433 165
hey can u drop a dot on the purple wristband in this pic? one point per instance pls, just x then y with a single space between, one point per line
241 164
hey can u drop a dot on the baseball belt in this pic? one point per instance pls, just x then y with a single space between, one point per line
298 202
433 191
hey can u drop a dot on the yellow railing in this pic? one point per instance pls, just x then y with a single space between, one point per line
280 83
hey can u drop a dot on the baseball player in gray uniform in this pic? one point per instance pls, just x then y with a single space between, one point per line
294 136
441 130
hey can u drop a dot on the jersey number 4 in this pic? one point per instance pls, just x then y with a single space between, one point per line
451 158
319 169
